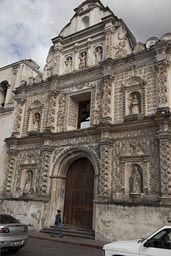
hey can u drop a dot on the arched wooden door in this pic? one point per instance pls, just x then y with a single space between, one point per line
78 207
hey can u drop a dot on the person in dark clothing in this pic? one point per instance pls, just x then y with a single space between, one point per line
58 224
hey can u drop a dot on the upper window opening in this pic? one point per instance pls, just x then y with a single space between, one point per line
84 114
85 22
3 93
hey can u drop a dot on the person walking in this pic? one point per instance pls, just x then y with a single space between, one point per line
58 224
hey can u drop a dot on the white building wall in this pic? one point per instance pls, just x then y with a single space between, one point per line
6 124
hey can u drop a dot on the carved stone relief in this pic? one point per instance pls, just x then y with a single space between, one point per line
110 31
95 104
165 166
19 118
61 112
10 173
105 171
107 100
132 172
120 50
45 171
162 83
52 118
56 62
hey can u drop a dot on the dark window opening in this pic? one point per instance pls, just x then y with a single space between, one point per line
84 114
3 92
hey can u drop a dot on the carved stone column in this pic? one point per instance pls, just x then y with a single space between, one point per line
108 41
111 25
8 186
164 136
61 112
107 100
58 48
52 118
19 118
45 170
162 67
105 170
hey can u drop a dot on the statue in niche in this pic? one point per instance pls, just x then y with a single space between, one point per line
134 104
98 54
83 60
36 121
28 187
135 180
68 64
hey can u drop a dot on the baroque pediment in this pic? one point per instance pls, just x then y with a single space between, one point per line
81 19
87 6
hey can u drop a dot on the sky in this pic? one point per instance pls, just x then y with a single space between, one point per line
27 26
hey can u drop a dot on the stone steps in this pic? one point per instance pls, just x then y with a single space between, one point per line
72 232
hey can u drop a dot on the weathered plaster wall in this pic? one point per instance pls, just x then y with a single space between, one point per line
27 212
114 222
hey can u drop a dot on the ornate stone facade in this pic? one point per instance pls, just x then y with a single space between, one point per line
112 109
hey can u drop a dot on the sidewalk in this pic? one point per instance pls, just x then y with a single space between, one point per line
67 240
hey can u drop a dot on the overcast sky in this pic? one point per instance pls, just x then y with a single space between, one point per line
27 26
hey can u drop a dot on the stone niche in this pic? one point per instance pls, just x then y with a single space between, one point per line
133 98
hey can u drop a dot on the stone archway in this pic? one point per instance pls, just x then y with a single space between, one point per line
62 164
78 204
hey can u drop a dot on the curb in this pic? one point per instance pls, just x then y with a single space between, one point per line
66 241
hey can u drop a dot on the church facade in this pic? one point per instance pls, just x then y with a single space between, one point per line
92 134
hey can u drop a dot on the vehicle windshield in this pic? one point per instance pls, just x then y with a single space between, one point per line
7 219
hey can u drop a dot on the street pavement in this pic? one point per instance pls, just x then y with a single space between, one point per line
42 244
67 240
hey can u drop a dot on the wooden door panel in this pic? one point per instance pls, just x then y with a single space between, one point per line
78 209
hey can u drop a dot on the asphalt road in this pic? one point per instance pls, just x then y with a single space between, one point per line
36 247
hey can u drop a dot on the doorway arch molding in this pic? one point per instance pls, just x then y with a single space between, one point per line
60 166
69 155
